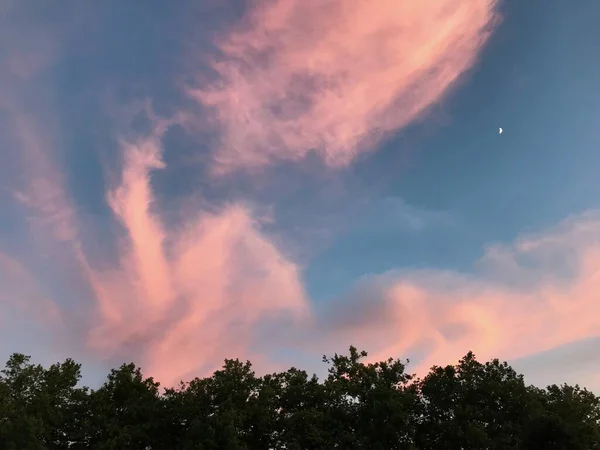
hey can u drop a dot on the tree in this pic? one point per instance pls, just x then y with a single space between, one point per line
567 417
302 409
473 405
377 405
126 412
370 405
40 408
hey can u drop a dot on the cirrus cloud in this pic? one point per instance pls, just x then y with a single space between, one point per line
335 76
202 287
208 287
218 278
534 295
294 76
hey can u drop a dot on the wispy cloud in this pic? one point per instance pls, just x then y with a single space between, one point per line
294 76
30 319
44 190
335 76
200 287
22 297
27 44
205 288
531 296
205 284
210 285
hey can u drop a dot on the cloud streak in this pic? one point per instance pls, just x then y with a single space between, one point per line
204 285
201 287
212 285
22 298
531 296
294 76
335 76
44 192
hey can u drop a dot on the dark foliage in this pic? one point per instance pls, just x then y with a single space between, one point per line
376 406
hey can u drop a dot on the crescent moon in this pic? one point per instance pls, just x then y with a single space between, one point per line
499 130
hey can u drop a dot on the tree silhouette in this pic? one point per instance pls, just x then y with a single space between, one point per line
378 406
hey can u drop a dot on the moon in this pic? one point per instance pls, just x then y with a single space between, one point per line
499 130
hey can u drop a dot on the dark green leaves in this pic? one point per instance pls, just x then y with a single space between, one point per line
360 405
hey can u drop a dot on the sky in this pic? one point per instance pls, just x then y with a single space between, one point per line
183 182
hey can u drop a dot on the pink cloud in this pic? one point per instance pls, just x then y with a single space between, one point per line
29 45
131 203
335 76
44 190
532 296
21 296
200 288
295 76
230 276
206 287
202 294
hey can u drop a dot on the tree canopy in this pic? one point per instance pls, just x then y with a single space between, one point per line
359 405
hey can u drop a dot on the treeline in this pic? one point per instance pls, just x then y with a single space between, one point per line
470 405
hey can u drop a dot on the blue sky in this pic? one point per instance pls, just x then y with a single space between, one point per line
274 180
